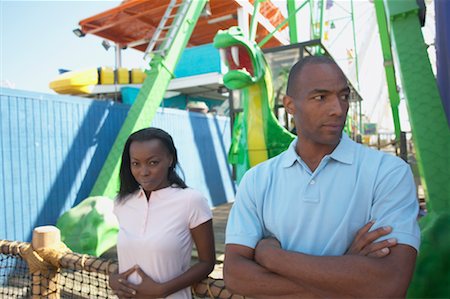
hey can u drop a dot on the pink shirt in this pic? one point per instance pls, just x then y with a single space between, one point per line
155 234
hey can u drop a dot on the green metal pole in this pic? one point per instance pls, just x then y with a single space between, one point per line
354 43
322 4
254 21
317 33
352 14
293 33
312 33
269 36
388 66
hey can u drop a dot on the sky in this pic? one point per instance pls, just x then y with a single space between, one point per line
36 40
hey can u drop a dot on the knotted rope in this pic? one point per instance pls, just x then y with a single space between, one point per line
43 259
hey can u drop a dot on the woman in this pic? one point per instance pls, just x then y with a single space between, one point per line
159 219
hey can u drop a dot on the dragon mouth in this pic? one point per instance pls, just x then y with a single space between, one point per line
238 58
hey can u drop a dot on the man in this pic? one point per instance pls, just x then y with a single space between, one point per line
328 217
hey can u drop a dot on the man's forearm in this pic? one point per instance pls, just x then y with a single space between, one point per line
244 276
348 275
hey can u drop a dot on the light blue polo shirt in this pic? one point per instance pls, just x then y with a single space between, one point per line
320 212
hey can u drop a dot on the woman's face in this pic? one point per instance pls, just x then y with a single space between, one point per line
149 163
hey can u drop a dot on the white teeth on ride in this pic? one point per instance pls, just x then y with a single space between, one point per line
235 55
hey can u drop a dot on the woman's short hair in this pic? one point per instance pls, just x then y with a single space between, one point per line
128 184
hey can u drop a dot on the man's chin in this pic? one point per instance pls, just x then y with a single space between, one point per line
332 139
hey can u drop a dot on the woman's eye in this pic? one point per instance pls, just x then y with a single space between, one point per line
134 164
153 162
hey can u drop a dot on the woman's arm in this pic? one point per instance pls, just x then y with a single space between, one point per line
204 242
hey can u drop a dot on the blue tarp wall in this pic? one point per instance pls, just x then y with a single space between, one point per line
53 147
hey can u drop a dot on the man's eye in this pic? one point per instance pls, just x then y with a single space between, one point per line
345 97
319 98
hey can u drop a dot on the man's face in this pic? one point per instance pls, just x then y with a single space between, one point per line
319 103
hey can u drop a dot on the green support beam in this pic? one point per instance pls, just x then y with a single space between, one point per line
293 33
254 21
431 136
388 66
288 19
429 126
352 13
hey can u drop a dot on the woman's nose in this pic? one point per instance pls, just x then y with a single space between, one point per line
145 171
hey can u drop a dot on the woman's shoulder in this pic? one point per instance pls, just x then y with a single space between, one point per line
121 200
191 196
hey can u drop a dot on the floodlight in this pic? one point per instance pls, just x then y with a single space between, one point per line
106 44
78 32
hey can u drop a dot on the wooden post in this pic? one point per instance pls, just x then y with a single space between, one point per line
45 283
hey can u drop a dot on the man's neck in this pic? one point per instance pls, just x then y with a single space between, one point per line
313 153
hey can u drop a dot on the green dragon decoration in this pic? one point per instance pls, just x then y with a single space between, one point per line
257 135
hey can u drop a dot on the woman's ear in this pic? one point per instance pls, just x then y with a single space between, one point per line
288 103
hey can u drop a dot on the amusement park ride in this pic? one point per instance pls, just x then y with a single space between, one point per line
162 30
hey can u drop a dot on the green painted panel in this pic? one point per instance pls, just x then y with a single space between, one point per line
429 126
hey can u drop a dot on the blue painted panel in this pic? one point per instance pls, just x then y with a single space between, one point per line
53 147
198 60
202 142
52 150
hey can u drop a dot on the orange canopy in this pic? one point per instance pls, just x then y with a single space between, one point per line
133 23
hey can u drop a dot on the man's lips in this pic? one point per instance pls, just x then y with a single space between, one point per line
333 126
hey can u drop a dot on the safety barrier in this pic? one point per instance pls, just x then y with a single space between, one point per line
46 268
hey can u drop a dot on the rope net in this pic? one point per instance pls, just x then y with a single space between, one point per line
59 273
14 277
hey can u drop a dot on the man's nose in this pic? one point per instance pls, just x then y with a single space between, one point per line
336 106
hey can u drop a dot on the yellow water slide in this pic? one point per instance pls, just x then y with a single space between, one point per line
83 81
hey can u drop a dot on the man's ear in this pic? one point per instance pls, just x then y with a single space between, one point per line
288 103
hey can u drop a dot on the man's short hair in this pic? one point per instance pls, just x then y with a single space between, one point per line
295 71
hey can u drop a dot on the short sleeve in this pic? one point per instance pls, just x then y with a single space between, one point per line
245 226
396 205
199 210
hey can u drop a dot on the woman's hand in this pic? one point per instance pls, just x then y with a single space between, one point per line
148 288
116 284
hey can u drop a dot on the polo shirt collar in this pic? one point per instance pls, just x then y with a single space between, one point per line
343 153
290 155
160 193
